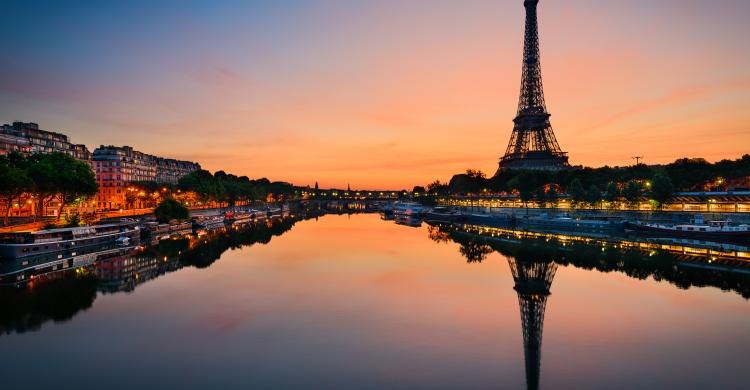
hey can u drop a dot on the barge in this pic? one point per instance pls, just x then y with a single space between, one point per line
712 230
24 255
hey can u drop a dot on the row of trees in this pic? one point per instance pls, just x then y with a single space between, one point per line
40 179
593 186
226 189
659 189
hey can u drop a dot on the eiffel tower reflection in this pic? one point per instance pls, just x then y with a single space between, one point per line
532 283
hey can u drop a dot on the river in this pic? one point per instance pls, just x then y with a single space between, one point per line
353 301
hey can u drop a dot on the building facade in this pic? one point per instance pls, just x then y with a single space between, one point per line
119 166
170 170
27 138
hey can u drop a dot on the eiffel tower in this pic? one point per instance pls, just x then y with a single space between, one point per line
532 144
532 283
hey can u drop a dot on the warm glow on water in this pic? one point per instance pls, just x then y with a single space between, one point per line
353 302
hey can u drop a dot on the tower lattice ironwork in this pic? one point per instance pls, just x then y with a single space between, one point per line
532 283
532 144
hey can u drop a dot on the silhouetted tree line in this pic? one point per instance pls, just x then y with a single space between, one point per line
592 186
224 188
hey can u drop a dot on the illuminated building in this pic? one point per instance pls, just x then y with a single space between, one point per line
27 139
119 166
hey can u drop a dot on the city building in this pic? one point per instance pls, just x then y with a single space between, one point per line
170 170
12 143
118 166
27 138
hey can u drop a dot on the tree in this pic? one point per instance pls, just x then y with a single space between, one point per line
661 189
612 194
202 183
418 191
170 209
42 172
593 196
437 188
130 198
232 189
576 191
552 196
73 219
13 183
526 184
632 193
88 218
475 174
75 179
541 197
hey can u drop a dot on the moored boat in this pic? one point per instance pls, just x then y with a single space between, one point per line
26 254
571 224
208 223
444 214
238 217
162 231
697 229
406 220
23 244
496 220
408 208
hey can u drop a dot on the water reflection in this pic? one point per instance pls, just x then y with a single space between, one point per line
58 296
54 297
534 258
684 265
408 306
533 280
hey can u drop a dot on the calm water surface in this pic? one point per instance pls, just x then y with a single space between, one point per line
357 302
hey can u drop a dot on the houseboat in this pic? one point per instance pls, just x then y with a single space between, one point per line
698 229
208 223
240 216
413 209
406 220
571 224
274 212
494 220
162 231
444 215
25 255
75 239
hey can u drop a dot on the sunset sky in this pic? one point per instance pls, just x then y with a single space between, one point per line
381 93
